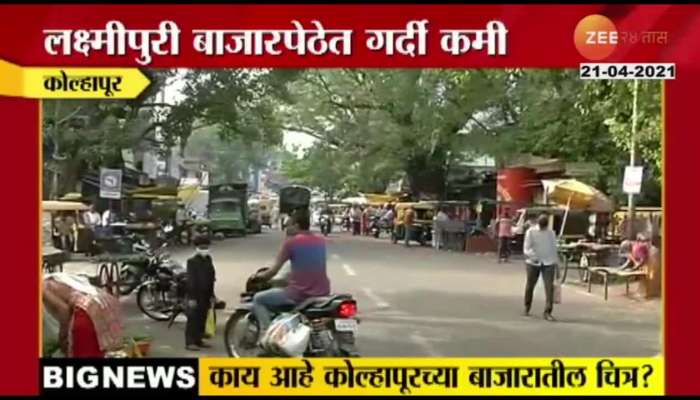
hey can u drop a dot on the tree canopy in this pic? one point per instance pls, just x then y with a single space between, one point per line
374 126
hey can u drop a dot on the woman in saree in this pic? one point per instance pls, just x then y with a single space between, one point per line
90 319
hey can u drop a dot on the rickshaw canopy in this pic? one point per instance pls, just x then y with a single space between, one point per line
154 191
56 205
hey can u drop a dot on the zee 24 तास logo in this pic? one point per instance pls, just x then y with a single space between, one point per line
596 37
109 375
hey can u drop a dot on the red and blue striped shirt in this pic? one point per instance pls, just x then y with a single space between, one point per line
307 254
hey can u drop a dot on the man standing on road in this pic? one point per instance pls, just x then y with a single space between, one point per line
542 257
438 229
505 228
408 219
356 216
200 293
92 220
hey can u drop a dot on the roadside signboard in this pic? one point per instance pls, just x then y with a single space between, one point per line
110 183
633 180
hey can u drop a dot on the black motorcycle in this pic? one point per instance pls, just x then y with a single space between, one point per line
163 297
143 266
331 319
326 224
375 227
347 224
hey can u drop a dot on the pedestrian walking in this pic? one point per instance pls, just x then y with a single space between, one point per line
365 221
542 258
408 219
201 276
356 216
438 229
505 232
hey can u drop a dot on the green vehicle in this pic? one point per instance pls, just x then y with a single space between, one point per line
228 209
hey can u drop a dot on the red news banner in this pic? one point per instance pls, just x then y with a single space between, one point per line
513 36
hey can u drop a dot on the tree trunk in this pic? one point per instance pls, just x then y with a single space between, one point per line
70 176
427 175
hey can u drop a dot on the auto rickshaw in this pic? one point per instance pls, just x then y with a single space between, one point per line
422 226
80 234
265 207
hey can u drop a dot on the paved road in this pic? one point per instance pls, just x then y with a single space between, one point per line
419 302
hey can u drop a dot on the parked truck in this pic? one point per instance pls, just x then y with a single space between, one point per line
228 208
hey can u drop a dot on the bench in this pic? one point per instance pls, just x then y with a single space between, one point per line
606 272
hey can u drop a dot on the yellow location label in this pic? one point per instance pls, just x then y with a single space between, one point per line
71 82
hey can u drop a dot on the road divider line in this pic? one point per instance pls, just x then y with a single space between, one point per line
348 270
376 299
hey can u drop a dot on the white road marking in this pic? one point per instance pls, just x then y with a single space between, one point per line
349 270
423 343
376 299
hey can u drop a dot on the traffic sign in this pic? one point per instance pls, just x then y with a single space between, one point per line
110 183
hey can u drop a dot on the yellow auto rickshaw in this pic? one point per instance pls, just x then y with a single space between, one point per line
422 224
421 231
75 238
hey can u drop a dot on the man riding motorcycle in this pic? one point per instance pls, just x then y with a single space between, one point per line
307 254
328 213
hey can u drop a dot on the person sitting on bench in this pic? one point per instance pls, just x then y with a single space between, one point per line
638 255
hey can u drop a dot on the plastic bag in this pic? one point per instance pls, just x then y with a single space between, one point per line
557 286
210 327
287 335
557 292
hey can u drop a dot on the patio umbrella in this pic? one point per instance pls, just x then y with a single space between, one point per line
577 195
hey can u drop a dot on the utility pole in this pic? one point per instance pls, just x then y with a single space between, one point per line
633 161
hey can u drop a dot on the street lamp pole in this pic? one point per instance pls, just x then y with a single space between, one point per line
633 160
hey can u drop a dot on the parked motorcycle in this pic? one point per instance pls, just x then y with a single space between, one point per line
163 297
144 266
329 323
326 224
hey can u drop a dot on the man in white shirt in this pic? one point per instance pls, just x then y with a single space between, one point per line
437 229
107 218
356 216
542 256
92 218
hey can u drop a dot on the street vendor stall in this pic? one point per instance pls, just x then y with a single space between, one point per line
584 255
576 195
